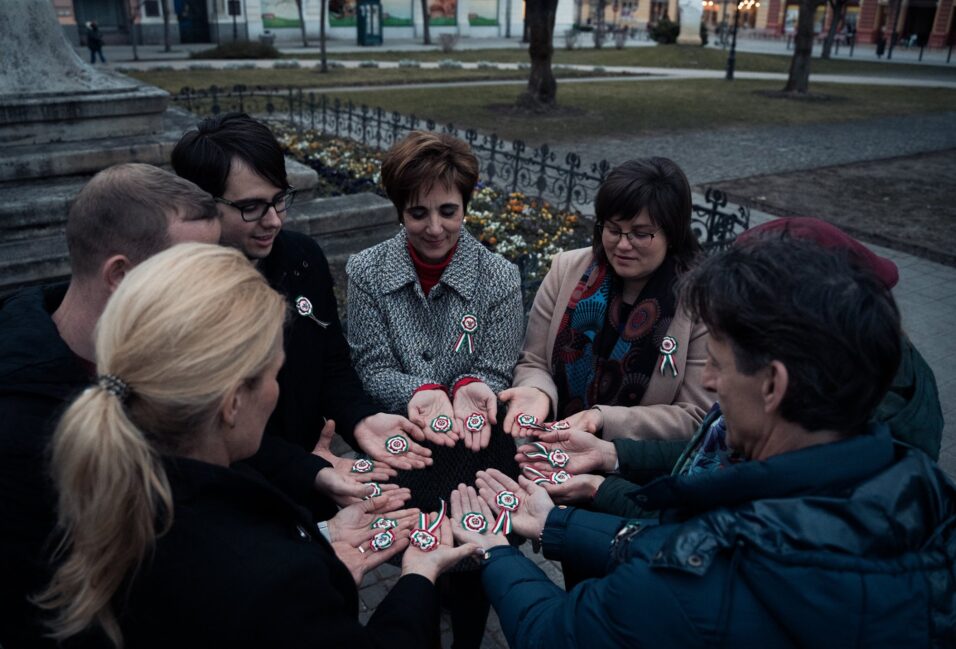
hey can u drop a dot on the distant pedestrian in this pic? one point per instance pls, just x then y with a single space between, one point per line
880 44
94 41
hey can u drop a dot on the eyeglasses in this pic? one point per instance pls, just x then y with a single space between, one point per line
254 210
636 239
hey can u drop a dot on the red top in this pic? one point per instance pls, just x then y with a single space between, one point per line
429 274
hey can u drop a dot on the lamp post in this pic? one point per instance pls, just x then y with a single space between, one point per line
732 58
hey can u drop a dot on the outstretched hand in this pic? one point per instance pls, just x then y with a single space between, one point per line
586 452
431 564
352 524
527 401
373 432
466 501
380 473
476 399
424 407
535 503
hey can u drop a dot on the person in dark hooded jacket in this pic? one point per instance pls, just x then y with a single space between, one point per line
829 535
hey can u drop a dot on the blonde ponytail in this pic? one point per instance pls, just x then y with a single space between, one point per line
112 494
183 329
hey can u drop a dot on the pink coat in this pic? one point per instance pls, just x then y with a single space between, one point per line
672 407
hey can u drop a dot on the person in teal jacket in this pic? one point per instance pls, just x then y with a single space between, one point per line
828 534
910 408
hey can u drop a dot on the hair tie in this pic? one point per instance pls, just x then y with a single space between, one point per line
114 385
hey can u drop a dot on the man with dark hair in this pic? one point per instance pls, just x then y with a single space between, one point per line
124 215
826 535
239 161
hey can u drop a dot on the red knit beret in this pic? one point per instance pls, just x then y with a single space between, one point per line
829 236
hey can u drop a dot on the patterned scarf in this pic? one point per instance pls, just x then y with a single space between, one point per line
601 357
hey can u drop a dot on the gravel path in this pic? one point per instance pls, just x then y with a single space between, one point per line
713 155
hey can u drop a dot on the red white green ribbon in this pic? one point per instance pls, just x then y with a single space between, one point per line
424 536
441 424
376 490
474 522
363 465
304 306
382 541
383 523
668 348
475 422
507 502
529 421
557 457
396 445
469 325
556 477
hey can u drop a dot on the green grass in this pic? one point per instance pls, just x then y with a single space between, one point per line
671 56
174 80
646 107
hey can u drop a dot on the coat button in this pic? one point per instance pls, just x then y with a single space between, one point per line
305 264
695 561
427 356
302 533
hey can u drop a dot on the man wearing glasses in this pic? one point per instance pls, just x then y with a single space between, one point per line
239 161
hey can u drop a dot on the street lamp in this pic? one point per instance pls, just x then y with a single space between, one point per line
732 58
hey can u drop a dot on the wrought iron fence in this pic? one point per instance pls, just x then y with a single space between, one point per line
511 166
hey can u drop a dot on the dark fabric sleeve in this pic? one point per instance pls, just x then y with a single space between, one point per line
293 471
632 607
644 460
304 610
343 398
580 538
616 496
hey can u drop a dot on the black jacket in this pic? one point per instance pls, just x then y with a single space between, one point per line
243 566
39 376
317 381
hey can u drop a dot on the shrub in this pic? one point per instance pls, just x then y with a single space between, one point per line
238 50
487 65
409 63
286 65
368 64
449 64
665 31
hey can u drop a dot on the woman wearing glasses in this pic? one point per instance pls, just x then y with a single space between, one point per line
608 348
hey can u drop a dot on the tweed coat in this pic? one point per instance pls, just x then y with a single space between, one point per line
402 339
672 407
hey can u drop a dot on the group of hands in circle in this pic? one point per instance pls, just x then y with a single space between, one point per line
365 499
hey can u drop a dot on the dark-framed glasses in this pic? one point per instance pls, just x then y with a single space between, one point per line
255 209
636 238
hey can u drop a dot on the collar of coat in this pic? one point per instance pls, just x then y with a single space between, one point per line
398 270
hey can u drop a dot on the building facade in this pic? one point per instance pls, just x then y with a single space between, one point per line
928 22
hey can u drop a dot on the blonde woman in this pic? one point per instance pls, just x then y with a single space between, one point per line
167 542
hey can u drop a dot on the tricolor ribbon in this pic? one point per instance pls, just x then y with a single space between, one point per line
382 541
557 477
304 306
474 522
508 502
441 424
396 445
668 347
475 422
363 465
376 490
424 537
557 458
383 523
469 325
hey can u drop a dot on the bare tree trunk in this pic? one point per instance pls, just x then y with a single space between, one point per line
838 7
164 7
426 37
298 5
542 88
799 79
324 67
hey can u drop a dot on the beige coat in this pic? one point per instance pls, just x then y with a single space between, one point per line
672 407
